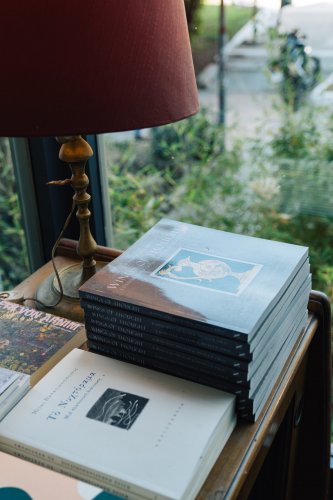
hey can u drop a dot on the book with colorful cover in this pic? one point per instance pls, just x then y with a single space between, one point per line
223 283
23 480
129 430
32 341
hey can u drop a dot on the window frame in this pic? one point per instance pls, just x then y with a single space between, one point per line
45 208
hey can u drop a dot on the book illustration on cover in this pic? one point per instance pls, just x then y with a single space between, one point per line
26 346
117 408
31 341
200 269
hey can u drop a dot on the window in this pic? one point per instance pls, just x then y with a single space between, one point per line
14 263
276 184
32 213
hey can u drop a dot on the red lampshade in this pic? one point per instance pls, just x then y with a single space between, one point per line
93 66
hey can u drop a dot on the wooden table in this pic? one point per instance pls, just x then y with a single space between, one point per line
285 454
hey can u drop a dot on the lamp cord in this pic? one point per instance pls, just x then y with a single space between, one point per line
55 246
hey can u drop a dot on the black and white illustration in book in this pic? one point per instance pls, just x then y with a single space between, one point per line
117 408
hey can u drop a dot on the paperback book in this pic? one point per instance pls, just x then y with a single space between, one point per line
124 428
32 341
148 355
250 399
238 371
13 386
251 408
217 308
117 319
7 379
220 282
122 321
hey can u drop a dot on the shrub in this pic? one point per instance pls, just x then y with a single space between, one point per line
13 256
278 188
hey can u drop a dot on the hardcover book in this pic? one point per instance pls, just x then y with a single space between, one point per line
32 341
127 429
220 282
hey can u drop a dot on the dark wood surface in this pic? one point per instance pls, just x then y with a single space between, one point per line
285 453
298 415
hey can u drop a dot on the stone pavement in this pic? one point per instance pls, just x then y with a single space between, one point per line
251 98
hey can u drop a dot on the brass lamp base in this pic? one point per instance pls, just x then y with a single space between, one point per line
49 293
75 151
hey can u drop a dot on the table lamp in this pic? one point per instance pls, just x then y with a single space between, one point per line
70 68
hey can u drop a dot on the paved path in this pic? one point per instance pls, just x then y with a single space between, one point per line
251 99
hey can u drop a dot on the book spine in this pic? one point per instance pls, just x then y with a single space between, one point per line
132 335
109 316
156 351
170 368
249 416
249 410
180 320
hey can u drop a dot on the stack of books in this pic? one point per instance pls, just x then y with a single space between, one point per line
13 386
221 309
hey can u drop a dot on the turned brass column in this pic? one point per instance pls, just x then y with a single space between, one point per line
75 151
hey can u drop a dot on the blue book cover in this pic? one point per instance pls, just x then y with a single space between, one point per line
219 282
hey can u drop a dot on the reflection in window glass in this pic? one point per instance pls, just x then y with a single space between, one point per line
277 187
13 254
268 173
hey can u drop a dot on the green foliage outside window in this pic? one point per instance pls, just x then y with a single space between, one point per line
277 188
13 256
280 188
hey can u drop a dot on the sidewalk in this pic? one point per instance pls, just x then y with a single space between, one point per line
250 98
